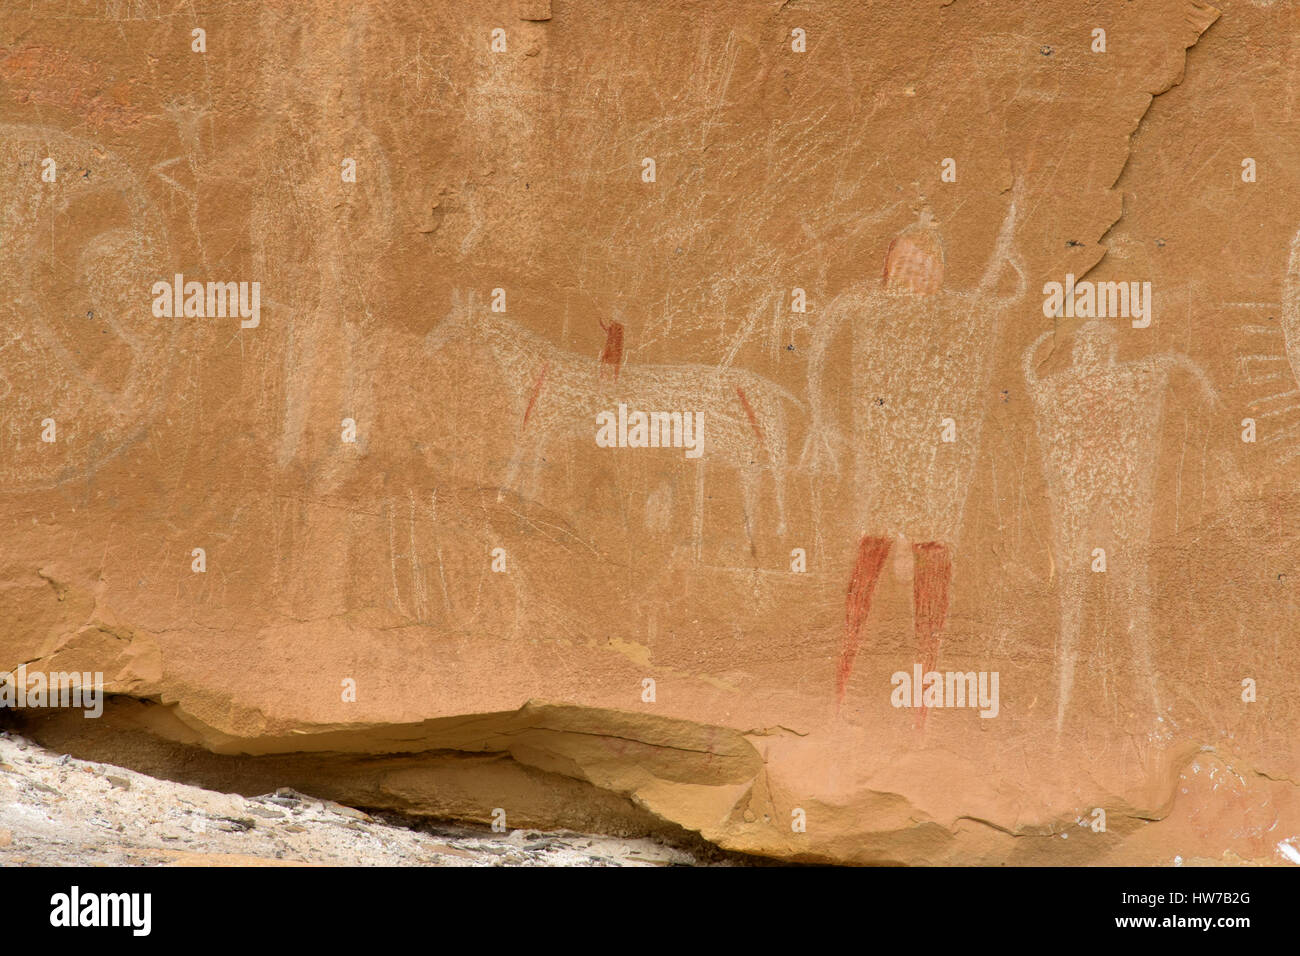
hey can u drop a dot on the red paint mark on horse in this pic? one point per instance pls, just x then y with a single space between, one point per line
537 390
611 357
930 602
749 411
884 271
866 571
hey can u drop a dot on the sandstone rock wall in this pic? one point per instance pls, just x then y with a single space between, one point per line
369 528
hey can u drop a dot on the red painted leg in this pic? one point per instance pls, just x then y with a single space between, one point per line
930 583
866 571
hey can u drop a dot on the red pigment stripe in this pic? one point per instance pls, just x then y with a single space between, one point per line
753 421
930 596
872 552
537 390
612 355
884 272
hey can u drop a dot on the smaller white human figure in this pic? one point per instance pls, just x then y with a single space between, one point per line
1099 428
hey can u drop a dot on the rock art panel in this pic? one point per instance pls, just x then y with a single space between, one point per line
856 433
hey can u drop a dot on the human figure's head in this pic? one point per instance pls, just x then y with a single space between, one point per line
914 262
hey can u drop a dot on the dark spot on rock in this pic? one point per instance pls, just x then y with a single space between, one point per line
236 824
789 348
1073 242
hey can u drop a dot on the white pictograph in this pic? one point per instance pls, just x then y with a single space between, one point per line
921 361
78 346
553 392
1099 430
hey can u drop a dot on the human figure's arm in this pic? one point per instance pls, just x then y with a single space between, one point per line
1003 247
1179 360
1222 457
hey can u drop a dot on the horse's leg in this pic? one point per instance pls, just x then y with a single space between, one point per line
777 465
749 475
697 532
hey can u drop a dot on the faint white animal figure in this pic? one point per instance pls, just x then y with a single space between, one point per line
920 362
75 254
1099 426
553 393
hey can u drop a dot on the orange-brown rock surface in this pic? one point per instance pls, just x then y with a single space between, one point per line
366 537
